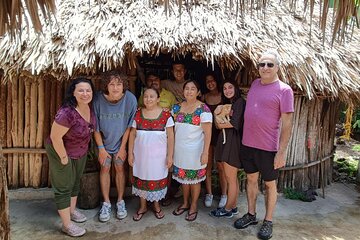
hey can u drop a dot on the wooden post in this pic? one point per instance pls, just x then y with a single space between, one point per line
33 121
14 130
4 200
40 132
27 131
20 128
8 133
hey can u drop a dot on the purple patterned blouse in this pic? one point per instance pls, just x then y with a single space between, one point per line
76 140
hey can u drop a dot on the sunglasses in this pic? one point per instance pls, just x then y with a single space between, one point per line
263 64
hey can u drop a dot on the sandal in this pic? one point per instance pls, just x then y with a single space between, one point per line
180 210
191 216
138 216
159 214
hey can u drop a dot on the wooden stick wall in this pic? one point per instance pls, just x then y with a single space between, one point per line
28 107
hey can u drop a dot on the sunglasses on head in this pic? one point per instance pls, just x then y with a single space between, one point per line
263 64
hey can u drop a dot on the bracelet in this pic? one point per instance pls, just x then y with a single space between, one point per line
101 146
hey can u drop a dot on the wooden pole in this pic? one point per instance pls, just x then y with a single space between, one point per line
27 131
33 121
20 128
14 130
47 126
40 132
2 114
8 133
4 200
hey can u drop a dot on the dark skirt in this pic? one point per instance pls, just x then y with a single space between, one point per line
230 151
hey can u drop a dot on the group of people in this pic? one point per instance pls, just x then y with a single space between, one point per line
170 133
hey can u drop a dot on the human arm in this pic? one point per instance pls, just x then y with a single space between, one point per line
103 154
170 146
206 126
132 136
285 133
56 136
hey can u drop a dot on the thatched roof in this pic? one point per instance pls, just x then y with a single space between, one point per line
12 14
89 36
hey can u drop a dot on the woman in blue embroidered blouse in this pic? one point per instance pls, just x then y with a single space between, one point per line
193 121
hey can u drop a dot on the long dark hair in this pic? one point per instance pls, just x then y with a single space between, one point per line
70 100
236 96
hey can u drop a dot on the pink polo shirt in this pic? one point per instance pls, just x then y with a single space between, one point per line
264 106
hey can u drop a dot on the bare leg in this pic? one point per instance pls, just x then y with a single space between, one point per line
143 206
73 204
252 191
120 181
270 199
231 178
186 195
208 171
222 178
105 183
195 193
65 216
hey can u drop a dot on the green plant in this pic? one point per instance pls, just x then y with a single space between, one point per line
291 193
356 148
347 165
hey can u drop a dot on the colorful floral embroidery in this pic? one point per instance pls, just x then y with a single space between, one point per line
149 185
158 124
189 174
191 118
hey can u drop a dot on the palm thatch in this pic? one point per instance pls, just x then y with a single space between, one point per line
89 36
13 11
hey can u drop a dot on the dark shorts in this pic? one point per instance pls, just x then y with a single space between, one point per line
257 160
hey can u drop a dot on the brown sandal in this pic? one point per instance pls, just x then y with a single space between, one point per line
191 216
180 210
159 214
139 215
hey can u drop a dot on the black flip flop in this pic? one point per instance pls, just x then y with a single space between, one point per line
180 210
140 215
189 217
157 214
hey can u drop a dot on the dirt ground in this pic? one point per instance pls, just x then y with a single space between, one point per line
335 217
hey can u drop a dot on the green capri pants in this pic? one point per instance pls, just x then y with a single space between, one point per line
65 179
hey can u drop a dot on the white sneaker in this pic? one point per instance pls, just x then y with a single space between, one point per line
208 200
105 211
121 212
73 231
223 200
77 216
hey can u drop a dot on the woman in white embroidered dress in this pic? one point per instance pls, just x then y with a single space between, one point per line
193 121
151 147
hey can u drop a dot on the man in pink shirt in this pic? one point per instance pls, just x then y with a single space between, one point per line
267 130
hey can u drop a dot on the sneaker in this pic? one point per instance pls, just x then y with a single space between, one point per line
265 230
77 216
221 212
208 200
121 212
73 231
223 200
235 211
105 211
245 221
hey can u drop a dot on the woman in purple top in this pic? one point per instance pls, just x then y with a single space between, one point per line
67 149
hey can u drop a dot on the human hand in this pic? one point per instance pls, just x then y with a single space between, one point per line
121 154
103 155
131 159
169 162
204 158
279 160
